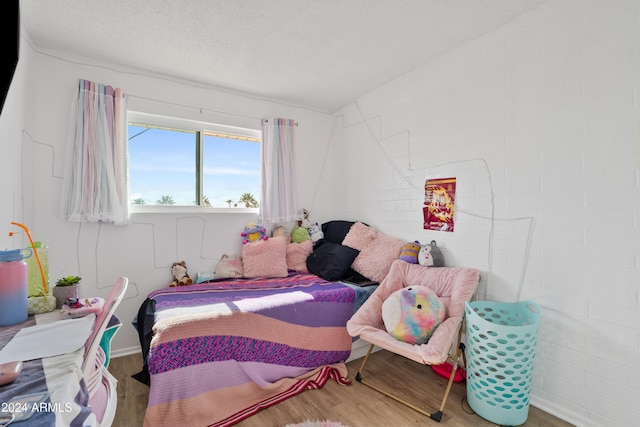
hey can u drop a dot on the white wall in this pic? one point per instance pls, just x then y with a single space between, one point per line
539 122
144 250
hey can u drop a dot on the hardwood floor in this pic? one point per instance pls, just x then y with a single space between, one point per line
354 405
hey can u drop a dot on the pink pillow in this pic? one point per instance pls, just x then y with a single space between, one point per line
297 254
359 236
374 261
265 258
377 251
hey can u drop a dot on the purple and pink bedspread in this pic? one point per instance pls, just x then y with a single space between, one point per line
223 350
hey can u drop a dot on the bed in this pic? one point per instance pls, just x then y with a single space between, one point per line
217 352
220 351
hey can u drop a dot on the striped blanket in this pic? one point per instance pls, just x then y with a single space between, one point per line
222 351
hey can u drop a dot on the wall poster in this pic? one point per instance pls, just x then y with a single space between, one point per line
439 198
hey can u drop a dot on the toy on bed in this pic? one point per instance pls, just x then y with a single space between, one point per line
253 233
229 267
412 314
304 222
300 234
430 255
281 230
306 230
180 276
315 232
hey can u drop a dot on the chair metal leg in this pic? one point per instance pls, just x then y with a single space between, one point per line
437 416
364 362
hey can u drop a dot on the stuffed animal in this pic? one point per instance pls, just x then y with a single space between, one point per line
430 255
229 267
253 233
180 276
305 220
411 314
300 234
315 232
410 252
281 230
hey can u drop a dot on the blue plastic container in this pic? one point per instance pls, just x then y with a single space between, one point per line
501 352
13 287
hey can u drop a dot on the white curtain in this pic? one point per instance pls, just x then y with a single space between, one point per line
96 187
278 192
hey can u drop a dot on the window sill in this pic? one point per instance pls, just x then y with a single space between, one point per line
137 209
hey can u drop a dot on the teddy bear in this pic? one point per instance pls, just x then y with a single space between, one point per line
180 276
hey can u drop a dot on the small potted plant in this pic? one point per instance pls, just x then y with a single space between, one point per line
66 287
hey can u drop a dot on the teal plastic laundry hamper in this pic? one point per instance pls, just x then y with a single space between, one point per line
500 352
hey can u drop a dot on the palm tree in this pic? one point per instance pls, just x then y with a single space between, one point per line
249 200
138 202
165 200
229 201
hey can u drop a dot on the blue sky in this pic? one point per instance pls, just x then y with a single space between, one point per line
162 162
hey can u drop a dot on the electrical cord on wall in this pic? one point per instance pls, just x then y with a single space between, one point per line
420 190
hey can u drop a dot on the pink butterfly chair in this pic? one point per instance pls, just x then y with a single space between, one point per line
100 383
454 287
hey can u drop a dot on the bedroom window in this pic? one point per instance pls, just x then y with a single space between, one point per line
181 163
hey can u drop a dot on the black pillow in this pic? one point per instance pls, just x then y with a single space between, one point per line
335 231
331 261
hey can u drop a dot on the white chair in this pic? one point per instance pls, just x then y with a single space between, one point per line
100 383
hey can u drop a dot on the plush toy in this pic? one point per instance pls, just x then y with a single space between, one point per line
410 252
305 219
300 234
180 276
315 232
229 267
281 230
412 314
430 255
253 233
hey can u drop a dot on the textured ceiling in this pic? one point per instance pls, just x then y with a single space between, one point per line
321 54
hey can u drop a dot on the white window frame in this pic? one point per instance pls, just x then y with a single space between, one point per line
192 125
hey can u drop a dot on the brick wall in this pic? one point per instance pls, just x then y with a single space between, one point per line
539 123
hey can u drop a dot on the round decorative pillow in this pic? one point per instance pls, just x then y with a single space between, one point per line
412 314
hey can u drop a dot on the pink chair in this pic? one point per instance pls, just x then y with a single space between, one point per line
454 287
100 383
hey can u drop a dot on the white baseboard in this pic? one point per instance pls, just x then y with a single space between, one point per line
359 349
560 412
125 352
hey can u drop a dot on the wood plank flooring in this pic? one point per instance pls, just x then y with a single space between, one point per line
354 405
